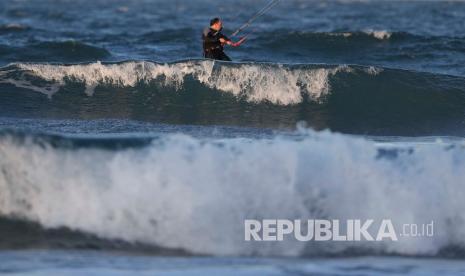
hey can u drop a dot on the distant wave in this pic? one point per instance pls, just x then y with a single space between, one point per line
348 98
193 194
72 49
13 28
362 36
49 51
374 35
346 40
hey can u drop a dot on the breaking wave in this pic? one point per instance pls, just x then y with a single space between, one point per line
278 84
346 98
189 194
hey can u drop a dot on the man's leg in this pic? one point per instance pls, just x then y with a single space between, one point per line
209 55
224 57
218 55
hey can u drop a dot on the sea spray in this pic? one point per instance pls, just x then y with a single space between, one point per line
194 194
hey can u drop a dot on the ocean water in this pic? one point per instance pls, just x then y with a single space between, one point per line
123 152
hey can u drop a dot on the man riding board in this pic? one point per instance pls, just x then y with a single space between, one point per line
214 41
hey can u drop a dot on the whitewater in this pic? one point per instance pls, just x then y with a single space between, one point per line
200 190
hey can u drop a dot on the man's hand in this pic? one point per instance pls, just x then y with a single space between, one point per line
230 43
237 44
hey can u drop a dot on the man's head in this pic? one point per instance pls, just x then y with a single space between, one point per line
216 24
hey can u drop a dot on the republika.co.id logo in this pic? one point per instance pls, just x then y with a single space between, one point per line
333 230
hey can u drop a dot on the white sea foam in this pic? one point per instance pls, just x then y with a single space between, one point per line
182 192
381 35
273 83
13 26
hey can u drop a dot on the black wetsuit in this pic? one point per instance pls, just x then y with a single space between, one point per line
212 47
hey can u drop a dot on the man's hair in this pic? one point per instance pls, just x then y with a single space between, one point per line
214 21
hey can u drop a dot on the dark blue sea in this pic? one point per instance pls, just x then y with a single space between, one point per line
124 152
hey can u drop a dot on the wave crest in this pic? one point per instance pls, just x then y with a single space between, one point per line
274 83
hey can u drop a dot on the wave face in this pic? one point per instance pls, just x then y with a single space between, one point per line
347 98
180 192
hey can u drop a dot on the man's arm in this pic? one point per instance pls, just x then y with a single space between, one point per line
225 40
